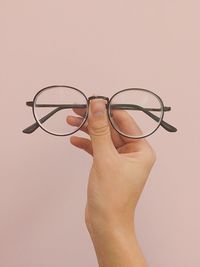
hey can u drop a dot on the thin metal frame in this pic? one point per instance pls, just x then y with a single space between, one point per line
39 122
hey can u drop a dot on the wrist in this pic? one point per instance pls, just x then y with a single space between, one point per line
114 240
116 245
105 223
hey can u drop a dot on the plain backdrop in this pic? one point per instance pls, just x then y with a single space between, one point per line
99 47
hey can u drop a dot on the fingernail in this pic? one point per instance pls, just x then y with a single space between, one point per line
98 108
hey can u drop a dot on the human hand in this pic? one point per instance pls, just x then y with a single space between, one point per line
120 165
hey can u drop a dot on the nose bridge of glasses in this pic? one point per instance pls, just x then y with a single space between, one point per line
98 97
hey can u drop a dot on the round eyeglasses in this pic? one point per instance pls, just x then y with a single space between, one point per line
141 108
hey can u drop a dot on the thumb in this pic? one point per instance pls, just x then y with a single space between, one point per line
99 129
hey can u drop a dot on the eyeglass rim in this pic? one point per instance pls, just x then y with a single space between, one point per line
53 86
138 89
108 110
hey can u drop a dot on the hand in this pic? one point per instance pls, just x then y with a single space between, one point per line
120 165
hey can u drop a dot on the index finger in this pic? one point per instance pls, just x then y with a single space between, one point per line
80 111
125 123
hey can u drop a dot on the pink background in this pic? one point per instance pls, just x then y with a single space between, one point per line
99 47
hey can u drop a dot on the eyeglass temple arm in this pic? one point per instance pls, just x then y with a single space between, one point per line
30 129
34 126
164 124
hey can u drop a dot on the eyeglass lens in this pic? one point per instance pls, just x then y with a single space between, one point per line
135 112
53 105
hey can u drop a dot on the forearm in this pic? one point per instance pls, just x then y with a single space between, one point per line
116 246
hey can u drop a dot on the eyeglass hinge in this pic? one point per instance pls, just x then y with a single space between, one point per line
29 103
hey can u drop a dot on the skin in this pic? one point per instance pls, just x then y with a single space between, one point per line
118 174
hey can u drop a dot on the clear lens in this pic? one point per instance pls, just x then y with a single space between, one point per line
52 106
135 112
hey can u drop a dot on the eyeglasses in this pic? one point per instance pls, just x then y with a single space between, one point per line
133 112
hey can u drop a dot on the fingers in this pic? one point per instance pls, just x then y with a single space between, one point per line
126 124
80 111
82 143
77 121
122 121
117 139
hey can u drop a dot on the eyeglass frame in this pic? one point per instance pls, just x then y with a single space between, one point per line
30 129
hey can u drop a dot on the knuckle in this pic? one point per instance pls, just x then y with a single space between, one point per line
97 130
151 156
